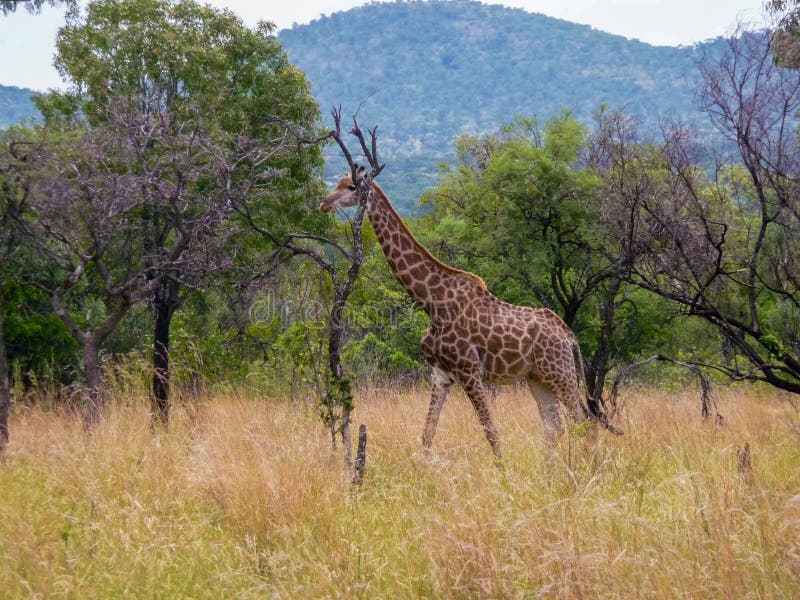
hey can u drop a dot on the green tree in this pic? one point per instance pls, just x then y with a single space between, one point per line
14 190
787 26
523 210
195 68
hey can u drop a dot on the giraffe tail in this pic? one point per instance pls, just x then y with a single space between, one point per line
580 374
592 407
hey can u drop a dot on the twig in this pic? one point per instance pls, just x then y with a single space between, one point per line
707 399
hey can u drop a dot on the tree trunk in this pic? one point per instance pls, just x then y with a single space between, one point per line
165 302
599 365
361 455
94 382
340 387
5 394
346 443
336 334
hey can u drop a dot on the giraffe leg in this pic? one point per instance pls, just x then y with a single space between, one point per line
547 403
479 398
441 385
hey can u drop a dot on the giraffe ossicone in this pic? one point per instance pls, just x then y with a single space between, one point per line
474 338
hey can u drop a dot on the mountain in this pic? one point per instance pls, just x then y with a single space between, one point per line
427 71
15 105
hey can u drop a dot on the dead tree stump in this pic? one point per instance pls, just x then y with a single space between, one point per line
744 465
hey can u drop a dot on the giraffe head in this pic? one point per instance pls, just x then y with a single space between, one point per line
344 194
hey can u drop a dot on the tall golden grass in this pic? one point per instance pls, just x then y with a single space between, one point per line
243 498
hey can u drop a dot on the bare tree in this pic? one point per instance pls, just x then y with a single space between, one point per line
724 248
339 393
342 265
189 67
212 177
95 205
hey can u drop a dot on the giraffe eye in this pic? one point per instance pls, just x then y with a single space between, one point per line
352 188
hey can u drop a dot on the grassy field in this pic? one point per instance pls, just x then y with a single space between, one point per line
241 498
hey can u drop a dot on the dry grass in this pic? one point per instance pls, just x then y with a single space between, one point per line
244 499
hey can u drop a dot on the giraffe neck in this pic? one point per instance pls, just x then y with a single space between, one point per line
425 278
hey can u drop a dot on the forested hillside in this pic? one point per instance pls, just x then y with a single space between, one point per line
429 71
15 105
426 72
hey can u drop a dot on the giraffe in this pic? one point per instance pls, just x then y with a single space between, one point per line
474 338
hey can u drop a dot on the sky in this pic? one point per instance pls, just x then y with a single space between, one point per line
27 41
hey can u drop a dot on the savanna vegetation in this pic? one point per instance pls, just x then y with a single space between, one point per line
184 337
240 498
